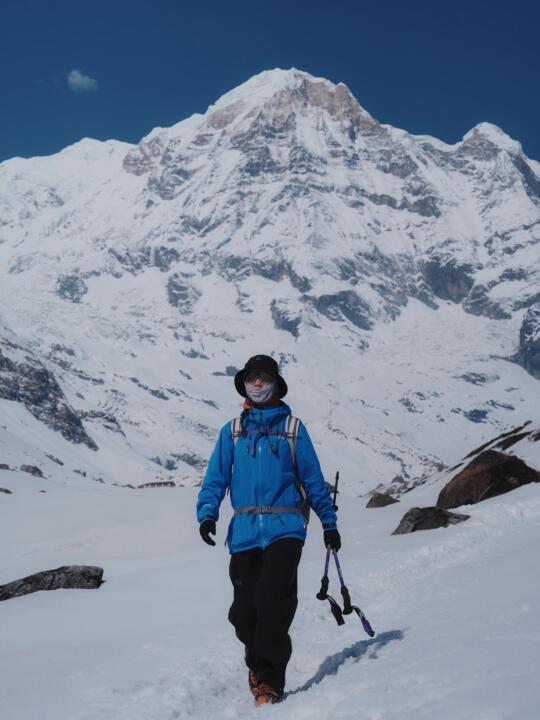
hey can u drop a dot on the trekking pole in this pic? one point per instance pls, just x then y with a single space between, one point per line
347 606
323 592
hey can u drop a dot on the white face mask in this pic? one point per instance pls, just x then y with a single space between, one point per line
260 395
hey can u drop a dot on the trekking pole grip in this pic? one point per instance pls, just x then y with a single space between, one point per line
347 606
323 592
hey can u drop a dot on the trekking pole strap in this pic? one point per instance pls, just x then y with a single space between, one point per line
348 608
266 510
336 610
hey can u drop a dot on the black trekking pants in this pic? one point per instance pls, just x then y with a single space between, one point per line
265 600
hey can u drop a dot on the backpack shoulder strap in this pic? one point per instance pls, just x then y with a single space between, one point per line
292 426
291 430
236 429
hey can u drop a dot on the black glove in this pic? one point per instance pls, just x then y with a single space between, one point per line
206 528
332 539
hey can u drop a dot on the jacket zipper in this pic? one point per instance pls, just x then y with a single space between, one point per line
261 521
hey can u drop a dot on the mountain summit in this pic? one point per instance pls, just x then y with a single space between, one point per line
388 272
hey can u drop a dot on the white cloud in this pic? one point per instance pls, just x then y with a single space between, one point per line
77 82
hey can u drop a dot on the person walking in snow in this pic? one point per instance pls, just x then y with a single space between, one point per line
266 460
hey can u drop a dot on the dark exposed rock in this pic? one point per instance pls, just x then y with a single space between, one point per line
86 577
478 147
345 304
233 267
195 354
5 491
66 365
163 257
32 470
381 199
474 378
56 347
283 318
401 166
530 180
408 405
476 416
135 261
166 185
427 518
500 405
378 500
142 158
192 459
4 466
108 420
71 287
507 434
511 440
182 294
259 161
491 473
479 303
528 355
54 459
427 206
278 270
447 279
30 383
167 462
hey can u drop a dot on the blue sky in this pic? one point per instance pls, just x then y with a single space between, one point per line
117 69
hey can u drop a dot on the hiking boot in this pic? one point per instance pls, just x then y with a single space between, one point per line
253 682
264 694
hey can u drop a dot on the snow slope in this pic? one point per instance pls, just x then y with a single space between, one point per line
455 611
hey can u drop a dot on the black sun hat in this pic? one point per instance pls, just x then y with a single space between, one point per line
260 362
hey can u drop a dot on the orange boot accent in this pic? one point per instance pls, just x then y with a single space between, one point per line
264 694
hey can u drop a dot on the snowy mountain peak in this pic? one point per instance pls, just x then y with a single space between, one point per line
291 90
285 218
493 134
264 85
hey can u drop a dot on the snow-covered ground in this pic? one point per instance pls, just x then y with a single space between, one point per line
455 612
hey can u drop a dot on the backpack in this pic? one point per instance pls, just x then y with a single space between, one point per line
291 431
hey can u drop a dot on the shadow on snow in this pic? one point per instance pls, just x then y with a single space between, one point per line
332 663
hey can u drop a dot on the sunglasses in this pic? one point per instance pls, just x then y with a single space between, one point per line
253 375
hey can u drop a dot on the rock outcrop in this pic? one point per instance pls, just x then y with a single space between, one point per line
491 473
86 577
427 518
378 500
529 341
24 379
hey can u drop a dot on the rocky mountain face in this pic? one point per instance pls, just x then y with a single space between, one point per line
395 277
25 379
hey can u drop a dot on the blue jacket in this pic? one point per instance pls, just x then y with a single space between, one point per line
259 471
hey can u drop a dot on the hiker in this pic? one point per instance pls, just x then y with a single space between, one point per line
266 460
